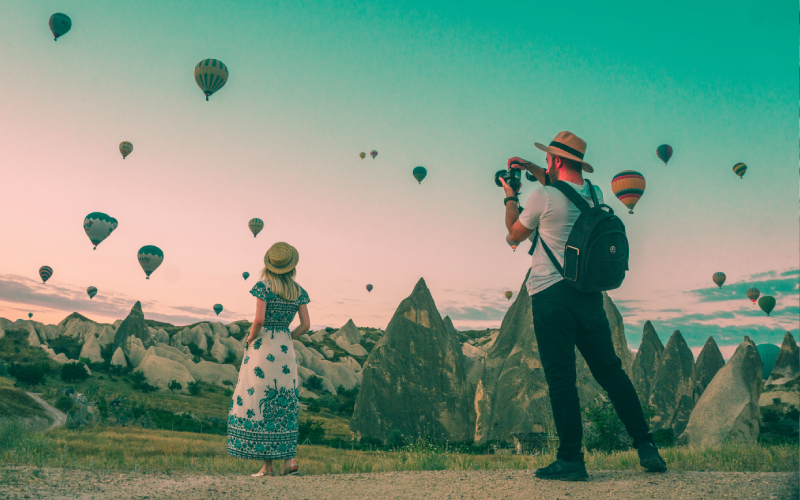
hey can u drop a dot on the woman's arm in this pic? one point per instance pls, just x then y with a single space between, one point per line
258 322
305 323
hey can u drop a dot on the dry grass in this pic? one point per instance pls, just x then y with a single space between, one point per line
141 450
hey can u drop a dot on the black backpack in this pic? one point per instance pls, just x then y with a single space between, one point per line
596 254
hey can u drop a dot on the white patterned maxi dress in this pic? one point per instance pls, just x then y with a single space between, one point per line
263 417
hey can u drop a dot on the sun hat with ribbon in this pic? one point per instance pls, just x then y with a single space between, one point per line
567 145
281 258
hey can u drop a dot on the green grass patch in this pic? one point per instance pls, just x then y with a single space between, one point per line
15 403
14 348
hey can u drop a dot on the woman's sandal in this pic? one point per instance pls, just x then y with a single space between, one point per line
292 471
263 473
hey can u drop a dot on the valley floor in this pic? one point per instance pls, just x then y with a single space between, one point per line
56 483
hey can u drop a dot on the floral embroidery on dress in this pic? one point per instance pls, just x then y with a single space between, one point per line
284 349
246 359
279 312
250 391
270 358
259 372
251 413
239 400
257 344
286 369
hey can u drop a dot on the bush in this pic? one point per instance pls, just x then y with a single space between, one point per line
194 388
347 399
329 402
175 386
314 383
779 426
196 351
3 370
74 372
139 382
396 440
64 403
69 346
313 406
31 374
604 431
311 430
231 358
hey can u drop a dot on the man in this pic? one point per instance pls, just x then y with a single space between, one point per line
564 318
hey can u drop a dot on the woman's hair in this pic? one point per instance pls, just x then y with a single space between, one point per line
283 285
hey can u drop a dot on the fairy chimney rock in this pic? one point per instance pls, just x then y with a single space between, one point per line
672 396
708 364
414 380
646 362
349 332
133 326
787 364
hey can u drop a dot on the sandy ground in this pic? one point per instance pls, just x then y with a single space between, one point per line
21 482
59 418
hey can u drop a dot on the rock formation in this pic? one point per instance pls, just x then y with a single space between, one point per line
218 351
618 334
646 363
118 359
784 380
511 395
234 329
161 371
728 409
351 349
349 332
672 397
448 325
91 350
133 326
708 364
414 380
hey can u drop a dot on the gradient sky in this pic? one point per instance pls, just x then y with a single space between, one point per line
455 87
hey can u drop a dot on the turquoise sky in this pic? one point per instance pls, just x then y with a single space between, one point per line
455 87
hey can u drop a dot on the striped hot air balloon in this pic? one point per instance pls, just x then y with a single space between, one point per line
98 227
362 155
753 294
150 257
766 303
719 279
419 173
92 291
628 186
509 294
245 275
513 244
255 225
125 148
739 169
217 308
45 272
60 24
373 153
210 75
369 288
664 152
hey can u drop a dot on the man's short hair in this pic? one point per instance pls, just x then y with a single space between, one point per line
572 164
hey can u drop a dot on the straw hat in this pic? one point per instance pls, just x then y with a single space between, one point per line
567 145
281 258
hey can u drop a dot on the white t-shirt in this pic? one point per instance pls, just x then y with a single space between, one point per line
554 215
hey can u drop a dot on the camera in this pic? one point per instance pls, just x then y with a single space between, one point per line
512 177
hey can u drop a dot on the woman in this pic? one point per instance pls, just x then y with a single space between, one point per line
262 423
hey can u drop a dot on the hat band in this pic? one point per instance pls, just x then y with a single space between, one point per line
567 149
276 266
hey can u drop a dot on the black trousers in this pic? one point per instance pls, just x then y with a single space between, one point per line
563 319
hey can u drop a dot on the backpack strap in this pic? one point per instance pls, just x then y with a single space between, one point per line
573 195
547 251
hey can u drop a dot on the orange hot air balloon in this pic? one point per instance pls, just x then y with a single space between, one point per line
509 294
628 186
362 155
513 244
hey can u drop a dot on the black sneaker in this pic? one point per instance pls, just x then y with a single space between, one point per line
564 471
650 459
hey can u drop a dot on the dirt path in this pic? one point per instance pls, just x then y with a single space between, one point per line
22 482
59 418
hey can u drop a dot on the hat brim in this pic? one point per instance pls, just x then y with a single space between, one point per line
287 269
553 151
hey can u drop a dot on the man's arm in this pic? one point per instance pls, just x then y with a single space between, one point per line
538 172
516 230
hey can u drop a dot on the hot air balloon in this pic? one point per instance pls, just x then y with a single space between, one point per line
373 153
719 279
217 308
150 257
210 75
362 155
509 294
60 24
125 148
739 169
30 315
628 186
92 291
768 354
245 275
369 288
419 173
767 303
98 226
255 225
513 244
753 294
45 272
664 152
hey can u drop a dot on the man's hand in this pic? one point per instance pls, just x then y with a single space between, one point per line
508 189
519 163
